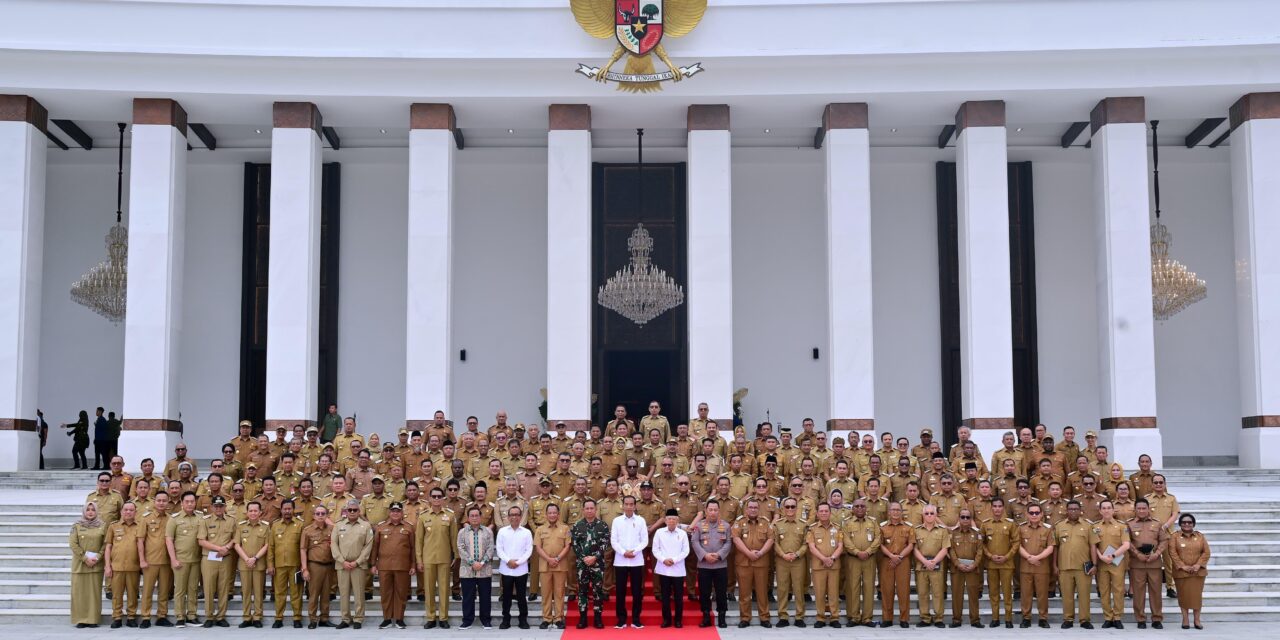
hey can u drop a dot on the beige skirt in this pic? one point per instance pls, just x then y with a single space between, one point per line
86 598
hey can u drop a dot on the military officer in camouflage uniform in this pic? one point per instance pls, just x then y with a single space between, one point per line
590 540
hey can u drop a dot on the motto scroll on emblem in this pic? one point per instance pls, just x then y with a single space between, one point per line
638 26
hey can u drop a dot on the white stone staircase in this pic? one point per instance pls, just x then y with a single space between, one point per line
1239 511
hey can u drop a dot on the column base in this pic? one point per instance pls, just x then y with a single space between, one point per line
1260 444
155 444
843 426
19 450
1125 445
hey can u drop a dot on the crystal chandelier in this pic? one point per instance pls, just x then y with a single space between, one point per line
1173 286
640 291
102 288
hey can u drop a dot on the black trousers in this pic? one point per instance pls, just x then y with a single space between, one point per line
635 575
716 580
672 590
472 587
101 452
515 587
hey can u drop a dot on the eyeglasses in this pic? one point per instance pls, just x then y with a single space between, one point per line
682 483
352 510
966 517
1033 513
790 506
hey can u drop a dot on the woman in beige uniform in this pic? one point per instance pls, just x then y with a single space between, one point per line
1190 558
88 537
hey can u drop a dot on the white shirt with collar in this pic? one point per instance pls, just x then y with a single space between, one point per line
628 533
514 544
673 545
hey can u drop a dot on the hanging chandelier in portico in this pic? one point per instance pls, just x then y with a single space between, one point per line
640 291
1174 287
102 288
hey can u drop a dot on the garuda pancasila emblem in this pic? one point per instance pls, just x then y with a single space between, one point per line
638 26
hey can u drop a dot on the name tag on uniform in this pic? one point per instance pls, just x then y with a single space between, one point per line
870 537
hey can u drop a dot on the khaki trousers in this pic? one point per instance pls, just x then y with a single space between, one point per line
153 577
1000 581
1146 582
826 583
186 586
553 594
252 585
1075 585
351 587
859 588
929 594
318 589
1035 585
217 588
965 583
395 591
1111 590
895 582
286 590
752 583
435 577
793 582
122 583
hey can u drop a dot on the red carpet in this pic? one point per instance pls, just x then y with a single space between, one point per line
651 618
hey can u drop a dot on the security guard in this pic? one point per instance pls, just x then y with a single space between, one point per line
1112 554
897 541
253 538
156 572
393 561
932 542
435 539
123 566
861 544
1075 539
551 543
790 547
966 569
182 538
352 542
284 560
316 556
1000 550
826 547
753 543
217 540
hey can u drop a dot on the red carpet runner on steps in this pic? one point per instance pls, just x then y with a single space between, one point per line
651 618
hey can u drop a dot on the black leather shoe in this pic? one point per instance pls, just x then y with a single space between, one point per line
356 625
544 625
81 625
744 624
278 624
904 624
257 624
1008 624
431 624
343 625
506 624
666 624
706 622
599 621
886 623
385 623
311 625
1086 625
221 623
819 624
994 623
116 624
834 624
955 625
582 620
1117 624
922 623
208 624
444 624
163 622
1025 624
800 622
132 623
784 623
146 624
325 624
1044 624
1170 593
559 624
679 624
766 624
976 625
721 623
244 624
297 624
1068 625
1157 625
523 624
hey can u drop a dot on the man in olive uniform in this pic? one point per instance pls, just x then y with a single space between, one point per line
316 557
753 542
351 543
654 420
999 549
826 547
966 569
897 541
1035 550
1111 554
284 560
393 561
862 540
154 562
790 547
217 540
1075 539
551 544
932 542
182 541
122 565
434 536
590 540
1149 541
107 501
253 537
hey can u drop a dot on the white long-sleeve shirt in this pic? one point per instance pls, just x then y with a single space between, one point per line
514 544
628 534
673 545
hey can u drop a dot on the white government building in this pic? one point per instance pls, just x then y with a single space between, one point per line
884 215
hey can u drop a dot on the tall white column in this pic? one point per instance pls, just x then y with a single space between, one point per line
986 330
1126 343
710 290
427 328
22 171
1255 194
153 323
569 288
293 275
850 352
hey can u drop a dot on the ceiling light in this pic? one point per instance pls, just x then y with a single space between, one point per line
893 130
257 130
766 131
1018 130
511 130
382 130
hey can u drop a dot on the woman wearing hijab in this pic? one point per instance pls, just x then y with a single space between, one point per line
1190 558
1115 477
79 430
88 537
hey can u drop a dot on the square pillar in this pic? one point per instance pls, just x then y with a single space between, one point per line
153 324
293 275
851 353
1122 230
986 321
23 122
429 308
1255 195
570 292
710 289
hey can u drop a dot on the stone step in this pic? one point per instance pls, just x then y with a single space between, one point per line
1271 583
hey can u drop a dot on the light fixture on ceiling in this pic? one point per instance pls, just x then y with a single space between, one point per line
382 130
258 131
893 130
1173 286
102 289
766 131
1018 130
511 130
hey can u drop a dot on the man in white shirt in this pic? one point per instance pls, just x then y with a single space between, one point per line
629 535
514 547
670 548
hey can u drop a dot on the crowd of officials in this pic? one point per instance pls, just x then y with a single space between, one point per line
771 521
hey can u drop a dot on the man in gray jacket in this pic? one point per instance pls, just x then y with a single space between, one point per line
475 550
712 539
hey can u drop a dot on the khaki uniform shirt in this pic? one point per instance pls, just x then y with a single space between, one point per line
999 538
825 540
1162 507
352 542
913 512
1112 534
931 542
552 539
1073 542
108 504
393 546
652 511
1143 482
154 527
754 535
982 509
252 538
688 506
948 508
1149 538
1034 540
435 535
861 535
896 537
317 539
1188 550
376 507
184 530
286 543
966 544
218 531
789 536
123 540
